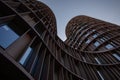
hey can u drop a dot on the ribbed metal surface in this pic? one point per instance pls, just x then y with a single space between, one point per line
98 43
89 34
51 58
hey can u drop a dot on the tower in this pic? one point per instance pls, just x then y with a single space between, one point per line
25 26
31 50
98 44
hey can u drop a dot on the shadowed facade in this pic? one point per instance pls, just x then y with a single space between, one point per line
31 50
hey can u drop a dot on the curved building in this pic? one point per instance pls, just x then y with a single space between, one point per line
31 50
98 44
88 34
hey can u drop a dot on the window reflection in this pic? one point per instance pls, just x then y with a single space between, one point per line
25 56
88 41
102 39
95 35
97 60
7 36
116 56
100 75
109 46
96 43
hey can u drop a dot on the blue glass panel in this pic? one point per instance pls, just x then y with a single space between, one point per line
109 46
95 35
116 56
96 43
7 36
26 54
102 39
88 41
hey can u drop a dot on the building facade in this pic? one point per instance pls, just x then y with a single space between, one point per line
98 44
31 50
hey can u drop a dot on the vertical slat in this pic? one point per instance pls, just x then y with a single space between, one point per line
51 70
45 68
31 62
37 69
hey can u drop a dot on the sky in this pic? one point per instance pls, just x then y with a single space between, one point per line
65 10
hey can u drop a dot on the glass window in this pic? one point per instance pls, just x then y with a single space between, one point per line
25 56
87 34
84 59
88 41
93 30
96 43
97 60
102 39
109 46
100 75
7 36
95 35
116 56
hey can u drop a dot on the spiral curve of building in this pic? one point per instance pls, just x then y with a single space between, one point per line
31 50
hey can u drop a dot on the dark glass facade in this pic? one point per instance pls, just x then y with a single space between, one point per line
31 50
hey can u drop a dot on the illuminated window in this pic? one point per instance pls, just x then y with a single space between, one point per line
7 36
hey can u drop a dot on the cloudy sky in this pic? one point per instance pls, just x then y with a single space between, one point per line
64 10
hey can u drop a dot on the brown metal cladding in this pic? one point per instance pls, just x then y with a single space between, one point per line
50 58
97 42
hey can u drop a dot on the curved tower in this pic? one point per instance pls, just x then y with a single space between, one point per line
31 50
88 34
98 42
24 29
